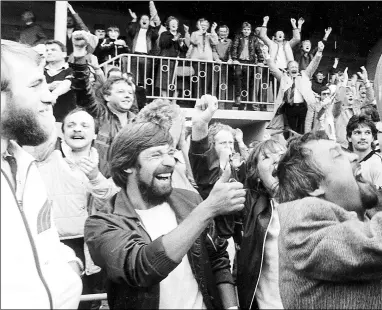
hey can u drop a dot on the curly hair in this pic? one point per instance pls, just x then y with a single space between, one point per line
215 128
160 112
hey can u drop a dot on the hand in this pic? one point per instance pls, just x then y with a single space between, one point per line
89 167
236 160
328 31
300 22
353 79
266 20
336 60
293 22
225 197
224 157
120 42
205 108
236 62
238 135
176 37
229 61
186 28
321 46
213 27
133 15
80 38
363 75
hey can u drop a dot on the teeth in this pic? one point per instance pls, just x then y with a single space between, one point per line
164 175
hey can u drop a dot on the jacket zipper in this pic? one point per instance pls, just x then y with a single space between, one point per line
32 243
262 256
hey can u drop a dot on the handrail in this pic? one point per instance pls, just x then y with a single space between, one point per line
91 297
188 79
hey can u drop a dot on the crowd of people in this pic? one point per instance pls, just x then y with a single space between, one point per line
106 192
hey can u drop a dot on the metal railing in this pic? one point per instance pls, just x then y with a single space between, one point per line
189 79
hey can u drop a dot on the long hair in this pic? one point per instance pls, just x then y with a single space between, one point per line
129 143
297 172
358 120
253 180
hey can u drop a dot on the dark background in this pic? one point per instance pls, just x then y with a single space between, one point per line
358 22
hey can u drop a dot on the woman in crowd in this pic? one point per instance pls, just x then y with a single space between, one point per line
257 277
171 44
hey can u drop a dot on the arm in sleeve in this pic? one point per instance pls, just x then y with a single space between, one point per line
41 36
80 25
214 39
322 248
369 93
165 41
274 70
84 91
313 65
263 36
295 39
124 254
338 101
235 47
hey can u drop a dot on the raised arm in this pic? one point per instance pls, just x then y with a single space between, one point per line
271 64
313 65
79 24
369 89
296 32
263 32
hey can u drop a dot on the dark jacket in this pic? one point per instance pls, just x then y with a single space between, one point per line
168 47
109 124
254 48
132 36
32 35
257 216
109 48
138 264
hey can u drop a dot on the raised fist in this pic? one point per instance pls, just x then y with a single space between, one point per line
266 19
213 27
205 108
321 46
301 21
293 22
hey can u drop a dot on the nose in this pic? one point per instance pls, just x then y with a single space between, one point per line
46 96
168 160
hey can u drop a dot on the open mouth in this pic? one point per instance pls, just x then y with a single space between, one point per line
77 138
164 177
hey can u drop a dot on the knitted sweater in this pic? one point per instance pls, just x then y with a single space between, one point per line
328 257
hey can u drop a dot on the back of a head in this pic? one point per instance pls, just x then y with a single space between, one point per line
297 172
10 52
129 143
159 111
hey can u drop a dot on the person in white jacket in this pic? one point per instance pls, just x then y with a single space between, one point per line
69 169
37 270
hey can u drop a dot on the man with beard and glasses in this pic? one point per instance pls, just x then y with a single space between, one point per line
37 270
330 254
153 240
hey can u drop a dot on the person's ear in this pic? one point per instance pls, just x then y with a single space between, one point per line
348 138
106 97
320 191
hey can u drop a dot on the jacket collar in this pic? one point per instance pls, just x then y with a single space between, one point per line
123 205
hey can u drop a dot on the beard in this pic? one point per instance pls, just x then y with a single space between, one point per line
150 192
22 125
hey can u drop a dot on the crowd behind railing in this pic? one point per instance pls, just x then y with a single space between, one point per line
119 190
